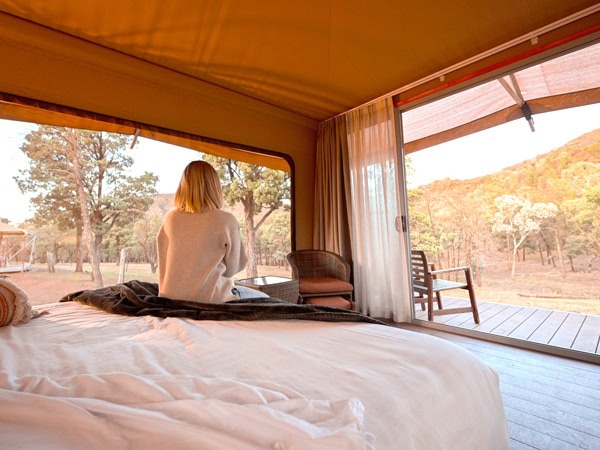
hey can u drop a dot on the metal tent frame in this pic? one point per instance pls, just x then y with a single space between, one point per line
14 244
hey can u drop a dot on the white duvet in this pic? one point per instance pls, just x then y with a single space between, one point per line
80 378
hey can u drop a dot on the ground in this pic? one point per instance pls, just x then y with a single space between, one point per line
44 287
533 285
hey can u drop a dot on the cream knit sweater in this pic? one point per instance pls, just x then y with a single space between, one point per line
198 253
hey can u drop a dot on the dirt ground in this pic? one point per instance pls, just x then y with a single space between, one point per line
532 285
44 287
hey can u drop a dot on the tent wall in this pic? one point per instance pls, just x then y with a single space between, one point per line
45 65
262 74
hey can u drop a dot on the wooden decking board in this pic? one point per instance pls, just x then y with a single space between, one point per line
516 445
529 438
511 324
566 334
551 402
547 329
540 373
559 329
573 371
588 413
552 426
546 386
549 434
588 388
567 370
588 427
589 336
466 320
501 316
528 327
577 405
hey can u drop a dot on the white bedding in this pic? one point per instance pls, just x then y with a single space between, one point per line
78 378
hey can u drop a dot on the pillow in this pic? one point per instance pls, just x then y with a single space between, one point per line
15 308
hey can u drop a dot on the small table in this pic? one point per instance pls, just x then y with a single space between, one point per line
279 287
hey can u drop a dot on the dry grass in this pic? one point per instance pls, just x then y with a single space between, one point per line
540 287
577 292
44 287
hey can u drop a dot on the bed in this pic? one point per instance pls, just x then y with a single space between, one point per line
81 377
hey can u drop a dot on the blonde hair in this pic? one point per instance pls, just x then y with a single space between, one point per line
199 188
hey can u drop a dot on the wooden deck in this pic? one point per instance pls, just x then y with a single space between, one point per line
550 402
563 330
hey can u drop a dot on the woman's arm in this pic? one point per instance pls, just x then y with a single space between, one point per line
235 254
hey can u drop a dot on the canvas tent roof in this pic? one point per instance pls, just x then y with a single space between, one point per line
563 82
248 64
9 230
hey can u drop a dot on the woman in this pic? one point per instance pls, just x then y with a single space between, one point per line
199 245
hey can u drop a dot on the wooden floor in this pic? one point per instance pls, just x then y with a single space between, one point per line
578 332
551 402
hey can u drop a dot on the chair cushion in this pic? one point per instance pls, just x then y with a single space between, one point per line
323 286
333 301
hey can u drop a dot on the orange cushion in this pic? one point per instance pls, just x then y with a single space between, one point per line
334 301
323 285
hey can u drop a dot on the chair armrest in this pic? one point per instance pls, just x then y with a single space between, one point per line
453 269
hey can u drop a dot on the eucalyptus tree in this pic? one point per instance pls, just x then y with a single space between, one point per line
260 190
582 210
80 180
517 218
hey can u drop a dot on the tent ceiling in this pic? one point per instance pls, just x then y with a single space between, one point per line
315 58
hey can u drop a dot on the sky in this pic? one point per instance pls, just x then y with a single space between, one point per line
165 160
491 150
469 157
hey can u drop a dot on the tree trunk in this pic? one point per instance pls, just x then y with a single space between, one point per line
50 260
118 251
508 250
122 266
249 205
85 216
79 249
514 258
571 264
563 274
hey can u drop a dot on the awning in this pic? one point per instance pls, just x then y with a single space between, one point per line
564 82
9 230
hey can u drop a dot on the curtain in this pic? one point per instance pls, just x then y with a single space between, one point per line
380 256
332 189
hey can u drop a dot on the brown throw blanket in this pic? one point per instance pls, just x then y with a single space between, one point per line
140 298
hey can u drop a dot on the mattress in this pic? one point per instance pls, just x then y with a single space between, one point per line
78 377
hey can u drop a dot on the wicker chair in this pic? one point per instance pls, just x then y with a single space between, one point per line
426 284
323 278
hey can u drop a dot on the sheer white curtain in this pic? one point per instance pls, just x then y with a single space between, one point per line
378 248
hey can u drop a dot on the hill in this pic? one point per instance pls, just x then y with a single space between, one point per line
534 179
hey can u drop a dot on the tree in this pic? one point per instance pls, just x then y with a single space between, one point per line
517 219
259 189
145 232
583 211
80 179
274 240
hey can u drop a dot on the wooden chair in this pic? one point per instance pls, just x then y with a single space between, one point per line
323 278
426 283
